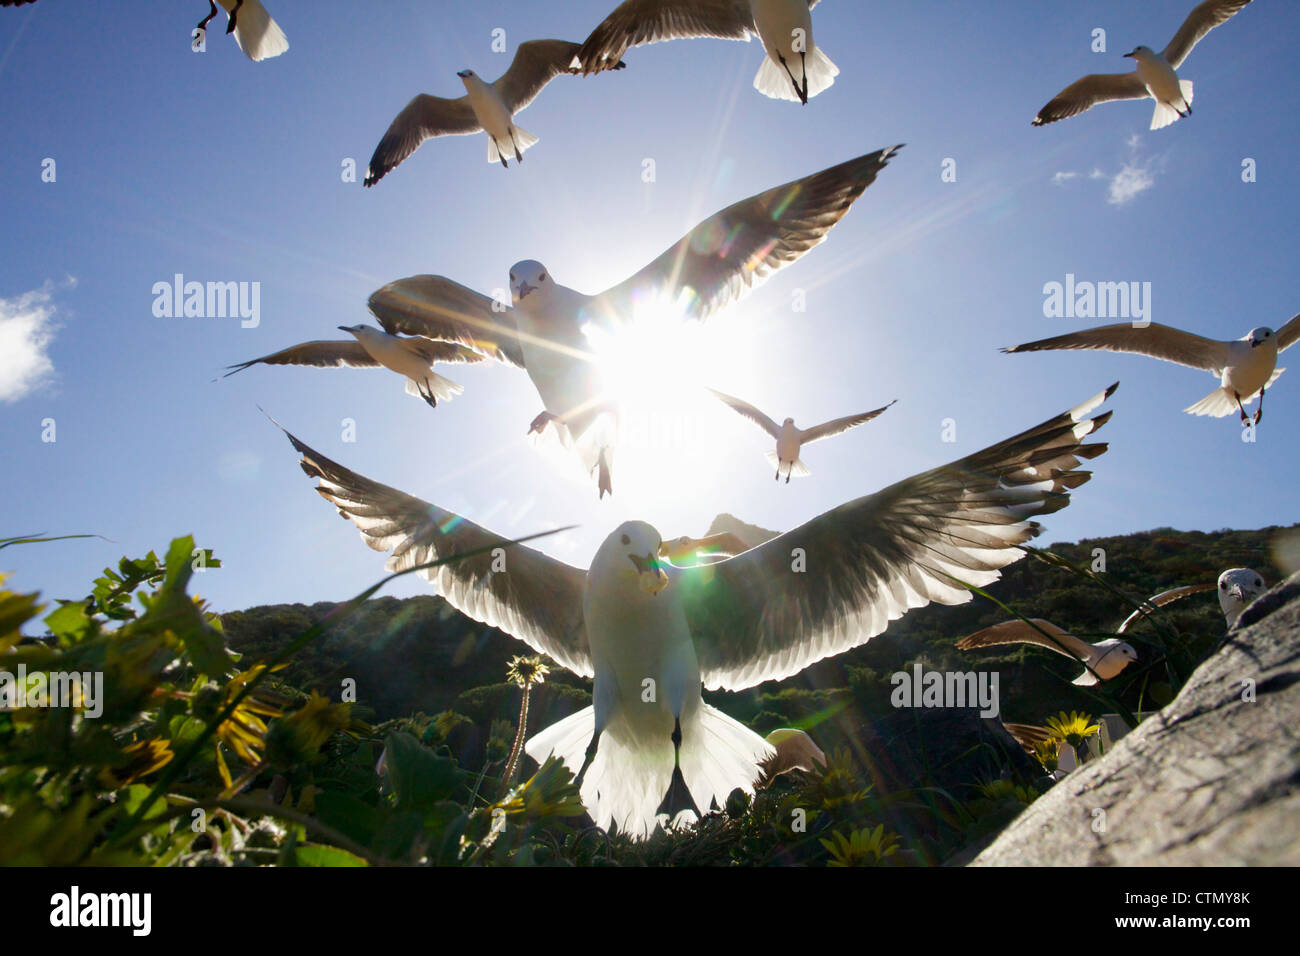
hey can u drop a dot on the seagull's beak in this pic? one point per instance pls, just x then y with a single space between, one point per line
345 328
651 574
462 73
525 288
1132 53
1237 592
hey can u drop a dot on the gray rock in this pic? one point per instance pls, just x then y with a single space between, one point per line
1211 780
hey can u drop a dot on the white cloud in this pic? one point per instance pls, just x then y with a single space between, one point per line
1061 178
1132 179
27 327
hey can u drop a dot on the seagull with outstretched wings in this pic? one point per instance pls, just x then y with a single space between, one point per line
652 634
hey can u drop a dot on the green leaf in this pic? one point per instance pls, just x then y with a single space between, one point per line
314 854
69 623
420 778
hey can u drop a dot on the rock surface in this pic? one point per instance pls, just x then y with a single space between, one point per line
1213 779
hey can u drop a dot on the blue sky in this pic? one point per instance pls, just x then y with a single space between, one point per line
212 166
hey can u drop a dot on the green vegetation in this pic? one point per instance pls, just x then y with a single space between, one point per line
233 740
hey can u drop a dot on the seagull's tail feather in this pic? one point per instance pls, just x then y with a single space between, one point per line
257 34
441 389
772 79
1220 402
1186 87
632 769
523 138
797 470
1167 113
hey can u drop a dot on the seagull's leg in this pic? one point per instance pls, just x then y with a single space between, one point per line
203 24
788 469
426 393
777 476
1245 419
541 421
678 797
518 155
1259 412
234 17
803 97
587 759
604 482
803 63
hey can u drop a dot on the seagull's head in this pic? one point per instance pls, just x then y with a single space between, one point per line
465 74
356 330
1237 588
1127 652
1141 53
788 421
678 549
1259 336
526 278
632 553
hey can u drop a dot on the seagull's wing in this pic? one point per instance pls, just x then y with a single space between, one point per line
1199 22
1289 333
734 250
1019 632
321 354
1028 735
838 580
1086 93
423 118
450 353
537 599
1156 340
750 412
637 22
1160 600
438 308
835 426
536 63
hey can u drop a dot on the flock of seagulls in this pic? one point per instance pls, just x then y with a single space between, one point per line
652 621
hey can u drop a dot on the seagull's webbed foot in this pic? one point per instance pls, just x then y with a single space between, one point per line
787 475
540 422
234 17
203 24
426 393
678 796
803 64
604 481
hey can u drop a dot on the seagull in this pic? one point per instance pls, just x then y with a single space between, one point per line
257 34
714 264
488 107
1245 367
1156 75
412 358
790 438
795 68
795 750
1236 587
1102 661
651 634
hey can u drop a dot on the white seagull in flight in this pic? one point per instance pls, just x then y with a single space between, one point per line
1236 587
413 358
1245 367
257 34
716 263
1156 75
486 107
795 68
790 438
651 634
1103 660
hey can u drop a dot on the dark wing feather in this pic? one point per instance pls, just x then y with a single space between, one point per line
438 308
637 22
837 425
732 251
1199 22
1086 93
423 118
320 354
758 617
1154 340
537 599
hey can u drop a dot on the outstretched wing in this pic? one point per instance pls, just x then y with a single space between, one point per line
750 412
1020 632
1289 333
536 599
438 308
1156 340
536 63
1160 600
838 580
1086 93
732 251
423 118
837 425
1199 22
320 354
638 22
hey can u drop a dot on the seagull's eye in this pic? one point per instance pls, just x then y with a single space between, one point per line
542 277
1259 582
626 539
1223 585
512 277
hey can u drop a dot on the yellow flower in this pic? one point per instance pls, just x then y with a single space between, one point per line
298 738
861 847
1047 752
1074 728
138 761
527 671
